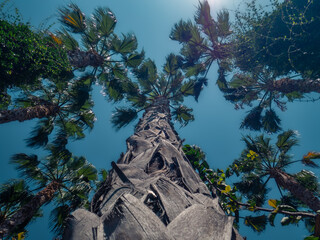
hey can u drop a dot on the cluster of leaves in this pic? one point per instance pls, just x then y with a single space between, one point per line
27 55
252 167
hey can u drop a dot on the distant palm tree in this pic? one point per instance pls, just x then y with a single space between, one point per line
153 192
261 161
60 175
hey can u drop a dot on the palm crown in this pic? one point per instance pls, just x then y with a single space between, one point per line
151 85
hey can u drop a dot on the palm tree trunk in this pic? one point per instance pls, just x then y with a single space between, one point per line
23 114
153 192
288 182
287 85
25 213
81 59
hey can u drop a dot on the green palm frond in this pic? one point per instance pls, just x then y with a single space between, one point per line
286 140
182 31
271 122
253 119
123 116
29 167
127 44
183 115
134 59
187 88
146 75
67 40
40 134
223 23
73 18
172 64
58 219
105 21
198 86
204 19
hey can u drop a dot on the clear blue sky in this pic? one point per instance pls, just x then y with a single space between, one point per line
215 130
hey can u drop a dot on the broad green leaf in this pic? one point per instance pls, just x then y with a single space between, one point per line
123 116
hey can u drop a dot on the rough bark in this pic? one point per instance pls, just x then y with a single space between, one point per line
287 85
81 59
303 194
23 114
153 192
26 212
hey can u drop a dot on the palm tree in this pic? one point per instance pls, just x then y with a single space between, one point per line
152 192
60 175
261 161
259 52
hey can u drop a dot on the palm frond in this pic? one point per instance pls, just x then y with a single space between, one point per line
253 119
257 224
67 40
40 134
286 141
182 31
183 115
73 18
123 116
271 122
28 167
105 21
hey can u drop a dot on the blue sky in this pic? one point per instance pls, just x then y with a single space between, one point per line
216 126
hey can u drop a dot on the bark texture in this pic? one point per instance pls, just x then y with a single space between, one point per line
288 182
152 192
287 85
23 114
27 211
81 59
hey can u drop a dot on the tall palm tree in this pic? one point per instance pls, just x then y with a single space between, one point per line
152 192
60 175
261 161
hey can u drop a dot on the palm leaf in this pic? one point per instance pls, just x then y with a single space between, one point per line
123 116
223 24
253 119
105 21
181 31
271 122
286 141
198 86
73 18
171 65
183 115
40 134
28 167
308 180
134 59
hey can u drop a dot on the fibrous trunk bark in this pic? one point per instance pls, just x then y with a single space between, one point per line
300 192
287 85
26 212
23 114
153 192
82 59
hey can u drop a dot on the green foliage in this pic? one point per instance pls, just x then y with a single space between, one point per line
27 55
183 115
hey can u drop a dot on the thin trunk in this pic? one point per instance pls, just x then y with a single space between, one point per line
25 213
81 59
153 192
300 192
23 114
287 85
